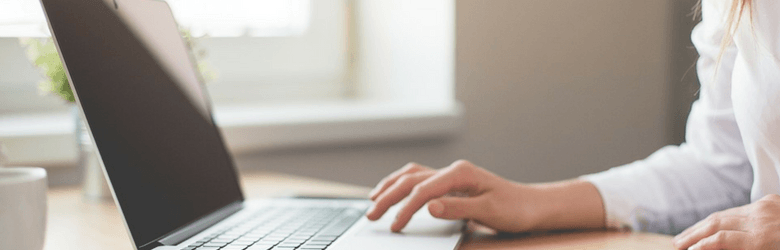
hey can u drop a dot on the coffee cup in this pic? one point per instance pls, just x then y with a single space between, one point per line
22 208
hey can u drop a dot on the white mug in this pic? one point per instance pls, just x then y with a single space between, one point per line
22 208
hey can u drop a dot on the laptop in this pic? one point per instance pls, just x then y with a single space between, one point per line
170 173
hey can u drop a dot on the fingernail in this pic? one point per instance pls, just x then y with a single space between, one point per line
394 226
371 210
436 208
676 241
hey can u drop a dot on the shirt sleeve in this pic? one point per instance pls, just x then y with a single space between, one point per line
679 185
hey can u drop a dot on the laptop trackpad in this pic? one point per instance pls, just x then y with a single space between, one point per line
423 232
423 224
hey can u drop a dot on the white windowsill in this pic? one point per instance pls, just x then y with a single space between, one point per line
47 139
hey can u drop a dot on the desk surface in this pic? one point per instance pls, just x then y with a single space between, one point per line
76 223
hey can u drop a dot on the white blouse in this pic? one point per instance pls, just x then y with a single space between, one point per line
732 151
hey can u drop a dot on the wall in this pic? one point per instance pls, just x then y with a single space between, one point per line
551 90
684 82
404 51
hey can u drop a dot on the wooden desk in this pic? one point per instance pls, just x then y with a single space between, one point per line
75 223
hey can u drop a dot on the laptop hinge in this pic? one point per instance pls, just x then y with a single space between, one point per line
196 227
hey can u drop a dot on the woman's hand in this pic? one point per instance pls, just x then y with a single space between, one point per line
487 199
491 200
753 226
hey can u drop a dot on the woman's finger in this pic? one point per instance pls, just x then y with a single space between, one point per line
709 227
728 240
458 176
473 226
737 211
393 177
456 208
397 192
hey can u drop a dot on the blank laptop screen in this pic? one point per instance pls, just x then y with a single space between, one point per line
165 158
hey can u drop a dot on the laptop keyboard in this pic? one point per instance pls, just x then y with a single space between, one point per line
284 228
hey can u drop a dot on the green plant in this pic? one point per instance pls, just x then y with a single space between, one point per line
207 73
43 54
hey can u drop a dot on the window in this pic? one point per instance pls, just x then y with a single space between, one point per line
22 18
261 51
232 18
271 51
226 18
18 78
272 65
289 72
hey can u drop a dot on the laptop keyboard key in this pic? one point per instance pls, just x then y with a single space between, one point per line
322 237
320 242
260 247
211 244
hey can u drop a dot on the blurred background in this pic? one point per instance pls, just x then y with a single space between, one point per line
350 90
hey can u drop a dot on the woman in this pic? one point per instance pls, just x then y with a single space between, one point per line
720 187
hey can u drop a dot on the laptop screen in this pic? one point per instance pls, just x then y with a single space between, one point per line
164 156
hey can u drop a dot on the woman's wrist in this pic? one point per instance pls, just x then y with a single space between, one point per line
573 204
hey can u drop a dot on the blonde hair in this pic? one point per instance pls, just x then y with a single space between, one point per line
733 19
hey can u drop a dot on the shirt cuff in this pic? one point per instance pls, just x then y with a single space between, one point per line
618 209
